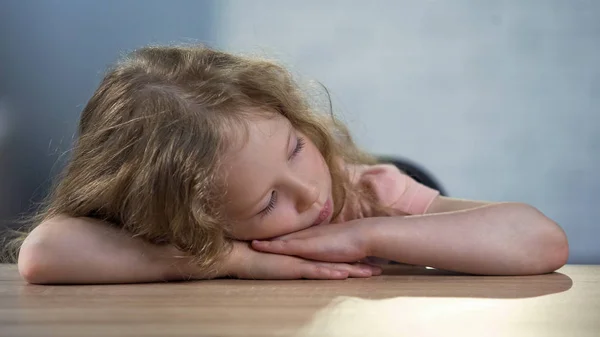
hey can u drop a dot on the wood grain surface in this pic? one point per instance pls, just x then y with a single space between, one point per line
406 301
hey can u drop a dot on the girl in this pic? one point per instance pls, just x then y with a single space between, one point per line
193 163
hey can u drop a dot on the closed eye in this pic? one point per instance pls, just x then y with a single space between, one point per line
299 146
267 210
300 143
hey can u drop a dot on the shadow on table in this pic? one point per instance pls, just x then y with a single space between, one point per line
398 280
427 282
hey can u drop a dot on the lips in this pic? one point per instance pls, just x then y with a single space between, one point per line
325 212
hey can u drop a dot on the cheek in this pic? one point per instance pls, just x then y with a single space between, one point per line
323 169
315 162
282 222
276 224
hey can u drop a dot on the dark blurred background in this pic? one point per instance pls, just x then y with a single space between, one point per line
500 100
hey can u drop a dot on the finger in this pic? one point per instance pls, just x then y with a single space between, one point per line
354 270
286 247
375 270
312 249
293 268
302 234
358 269
309 249
318 271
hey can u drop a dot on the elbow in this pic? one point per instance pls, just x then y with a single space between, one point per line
29 267
37 262
41 255
551 245
556 249
32 263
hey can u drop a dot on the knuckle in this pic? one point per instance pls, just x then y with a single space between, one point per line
319 269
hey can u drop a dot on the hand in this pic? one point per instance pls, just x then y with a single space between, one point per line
247 263
340 242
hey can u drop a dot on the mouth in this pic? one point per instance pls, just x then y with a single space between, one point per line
325 212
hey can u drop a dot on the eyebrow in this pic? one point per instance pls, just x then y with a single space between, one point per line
262 195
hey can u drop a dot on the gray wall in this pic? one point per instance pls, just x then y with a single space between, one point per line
52 56
500 100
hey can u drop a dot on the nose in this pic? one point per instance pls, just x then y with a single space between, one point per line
307 194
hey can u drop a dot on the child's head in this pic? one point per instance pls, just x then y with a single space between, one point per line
277 180
190 146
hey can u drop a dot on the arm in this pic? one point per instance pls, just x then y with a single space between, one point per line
83 251
498 239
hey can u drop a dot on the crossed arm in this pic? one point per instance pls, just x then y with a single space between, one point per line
67 250
493 239
461 235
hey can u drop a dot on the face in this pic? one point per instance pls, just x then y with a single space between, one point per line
277 182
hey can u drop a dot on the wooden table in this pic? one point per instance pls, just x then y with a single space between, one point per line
407 301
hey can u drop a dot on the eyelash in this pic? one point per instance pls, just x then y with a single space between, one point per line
299 146
271 204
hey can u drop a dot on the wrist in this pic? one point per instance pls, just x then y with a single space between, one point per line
378 231
171 264
229 264
370 234
174 265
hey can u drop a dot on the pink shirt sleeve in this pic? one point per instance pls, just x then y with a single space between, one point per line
398 190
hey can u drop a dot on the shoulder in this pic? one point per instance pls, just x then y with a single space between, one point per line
385 181
394 188
379 173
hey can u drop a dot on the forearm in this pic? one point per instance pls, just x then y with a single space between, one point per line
498 239
83 251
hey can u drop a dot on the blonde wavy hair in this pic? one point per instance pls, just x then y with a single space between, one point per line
149 142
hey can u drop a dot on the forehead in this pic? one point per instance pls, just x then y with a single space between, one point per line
257 131
253 158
